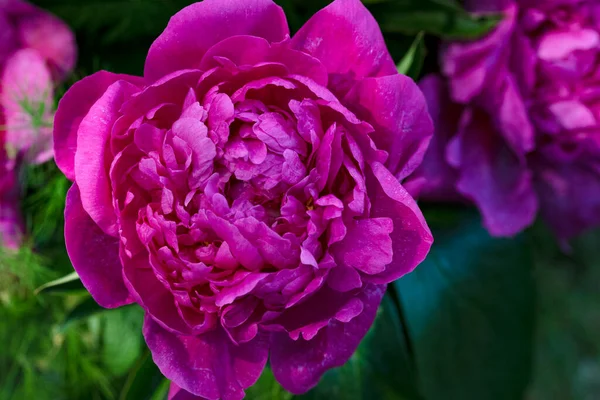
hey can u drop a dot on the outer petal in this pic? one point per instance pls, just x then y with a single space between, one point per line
396 107
196 28
298 365
209 365
177 393
348 41
492 176
151 294
91 171
26 96
435 179
72 108
95 255
411 237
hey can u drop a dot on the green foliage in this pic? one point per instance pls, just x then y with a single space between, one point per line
144 381
412 62
122 339
67 284
442 18
379 369
469 312
267 388
45 189
567 349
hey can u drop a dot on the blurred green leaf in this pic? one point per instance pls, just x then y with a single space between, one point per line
85 309
267 388
469 310
65 285
379 369
17 280
412 62
438 17
122 338
143 381
114 20
45 189
162 391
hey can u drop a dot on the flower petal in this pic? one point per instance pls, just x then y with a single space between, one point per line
471 65
492 176
348 41
396 107
177 393
91 172
299 364
72 108
411 237
435 179
196 28
209 365
94 254
569 194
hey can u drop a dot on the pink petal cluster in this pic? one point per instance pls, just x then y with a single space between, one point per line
518 118
246 191
36 50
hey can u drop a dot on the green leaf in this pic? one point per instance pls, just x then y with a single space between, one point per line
438 17
469 310
143 381
567 342
412 62
85 309
122 338
379 369
67 284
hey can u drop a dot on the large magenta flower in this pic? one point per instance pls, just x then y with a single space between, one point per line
36 51
246 192
518 119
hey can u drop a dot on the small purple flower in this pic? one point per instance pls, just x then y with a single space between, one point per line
246 191
518 118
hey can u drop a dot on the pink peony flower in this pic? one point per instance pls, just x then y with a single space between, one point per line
246 191
518 118
36 50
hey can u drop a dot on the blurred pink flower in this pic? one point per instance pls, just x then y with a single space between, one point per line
36 50
518 118
246 191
